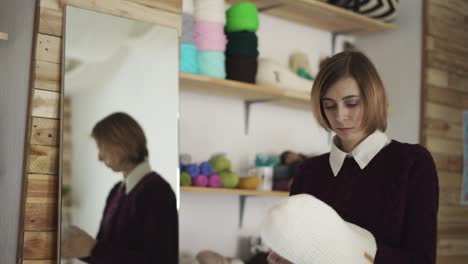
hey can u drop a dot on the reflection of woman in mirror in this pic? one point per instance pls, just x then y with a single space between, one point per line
140 222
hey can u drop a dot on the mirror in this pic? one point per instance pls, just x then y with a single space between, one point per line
116 65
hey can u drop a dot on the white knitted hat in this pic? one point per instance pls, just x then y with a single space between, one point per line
305 230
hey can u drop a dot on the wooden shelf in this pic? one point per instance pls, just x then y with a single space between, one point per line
232 191
3 36
246 91
321 15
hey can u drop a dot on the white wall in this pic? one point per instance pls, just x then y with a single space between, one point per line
397 55
215 124
211 124
16 19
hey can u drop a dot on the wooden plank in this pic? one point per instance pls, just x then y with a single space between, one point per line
39 261
444 96
452 247
42 188
456 6
45 104
452 259
232 191
169 5
452 163
45 132
125 8
47 76
43 160
435 61
453 230
437 44
40 217
442 128
450 197
459 83
444 146
440 112
48 48
449 180
321 15
436 77
50 21
453 215
39 245
442 13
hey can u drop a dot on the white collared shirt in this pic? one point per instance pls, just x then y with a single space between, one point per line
362 153
135 176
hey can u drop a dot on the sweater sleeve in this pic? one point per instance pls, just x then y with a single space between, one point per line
98 236
160 221
419 240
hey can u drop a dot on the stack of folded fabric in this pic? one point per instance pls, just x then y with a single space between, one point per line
242 48
209 37
188 50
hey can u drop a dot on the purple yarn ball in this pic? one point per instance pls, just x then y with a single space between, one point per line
215 181
201 181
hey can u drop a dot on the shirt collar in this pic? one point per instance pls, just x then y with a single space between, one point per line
135 176
362 153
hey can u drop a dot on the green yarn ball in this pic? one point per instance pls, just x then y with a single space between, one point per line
242 16
220 164
185 179
230 179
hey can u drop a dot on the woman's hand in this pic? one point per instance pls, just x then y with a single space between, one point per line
79 244
274 258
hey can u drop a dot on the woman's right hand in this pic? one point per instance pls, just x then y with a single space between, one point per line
274 258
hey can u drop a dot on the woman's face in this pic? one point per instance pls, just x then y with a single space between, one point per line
111 155
344 109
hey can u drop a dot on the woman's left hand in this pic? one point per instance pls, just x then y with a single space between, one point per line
78 245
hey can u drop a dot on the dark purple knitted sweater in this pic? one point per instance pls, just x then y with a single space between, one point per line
395 197
139 227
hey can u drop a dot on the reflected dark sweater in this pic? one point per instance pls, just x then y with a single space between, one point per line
139 227
395 197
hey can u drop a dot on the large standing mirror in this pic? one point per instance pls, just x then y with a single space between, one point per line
120 80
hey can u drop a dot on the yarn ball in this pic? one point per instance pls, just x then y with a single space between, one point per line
185 179
206 168
220 164
201 181
215 181
192 169
230 179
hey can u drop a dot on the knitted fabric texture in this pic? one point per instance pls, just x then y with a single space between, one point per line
305 230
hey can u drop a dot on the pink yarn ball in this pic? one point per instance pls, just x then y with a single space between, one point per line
215 181
201 181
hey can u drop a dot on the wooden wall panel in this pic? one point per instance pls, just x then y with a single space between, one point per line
43 160
40 217
46 104
48 48
41 188
45 132
47 76
445 87
41 201
39 245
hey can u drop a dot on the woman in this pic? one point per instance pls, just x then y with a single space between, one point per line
387 187
140 222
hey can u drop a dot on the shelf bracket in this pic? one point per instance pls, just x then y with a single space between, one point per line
247 105
241 209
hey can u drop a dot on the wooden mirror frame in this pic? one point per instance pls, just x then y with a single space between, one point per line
38 239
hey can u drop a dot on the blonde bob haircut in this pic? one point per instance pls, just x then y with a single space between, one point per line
357 66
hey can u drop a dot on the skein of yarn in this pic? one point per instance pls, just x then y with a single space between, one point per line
299 60
209 10
212 63
188 58
187 28
242 16
209 36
